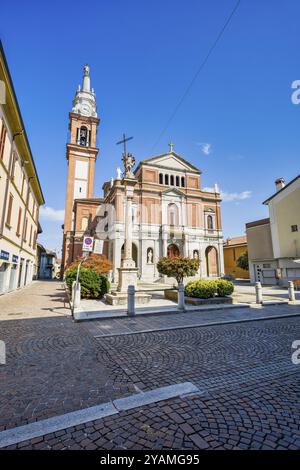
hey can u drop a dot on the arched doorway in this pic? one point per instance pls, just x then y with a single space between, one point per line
134 254
173 251
211 256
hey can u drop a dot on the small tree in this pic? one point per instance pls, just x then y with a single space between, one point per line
93 285
98 263
178 267
243 261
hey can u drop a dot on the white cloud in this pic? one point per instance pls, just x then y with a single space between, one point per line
205 147
54 215
229 197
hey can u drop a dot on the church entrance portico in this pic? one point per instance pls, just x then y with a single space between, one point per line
173 251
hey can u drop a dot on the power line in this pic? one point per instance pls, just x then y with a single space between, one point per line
198 72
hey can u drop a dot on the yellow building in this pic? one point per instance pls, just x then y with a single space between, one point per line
274 243
233 248
20 192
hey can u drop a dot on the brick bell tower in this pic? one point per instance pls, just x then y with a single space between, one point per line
81 156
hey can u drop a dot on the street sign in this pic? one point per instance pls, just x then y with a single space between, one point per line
88 243
98 247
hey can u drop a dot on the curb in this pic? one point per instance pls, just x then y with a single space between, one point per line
200 325
83 315
29 431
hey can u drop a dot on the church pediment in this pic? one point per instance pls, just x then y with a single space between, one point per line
173 192
171 161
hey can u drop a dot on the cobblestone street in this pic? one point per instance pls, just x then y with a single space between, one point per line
248 386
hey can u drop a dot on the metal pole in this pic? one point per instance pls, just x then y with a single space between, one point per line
258 292
181 302
291 292
131 301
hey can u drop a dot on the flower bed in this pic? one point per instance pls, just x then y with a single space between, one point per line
202 291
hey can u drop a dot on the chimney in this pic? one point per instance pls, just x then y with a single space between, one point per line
279 183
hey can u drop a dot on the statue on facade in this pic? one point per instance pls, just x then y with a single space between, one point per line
150 256
129 162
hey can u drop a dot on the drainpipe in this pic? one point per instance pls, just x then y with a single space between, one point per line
7 181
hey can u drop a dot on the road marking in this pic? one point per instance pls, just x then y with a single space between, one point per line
46 426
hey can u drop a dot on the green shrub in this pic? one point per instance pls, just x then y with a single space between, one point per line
224 287
93 285
201 289
105 286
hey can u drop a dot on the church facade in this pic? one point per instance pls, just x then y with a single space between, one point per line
171 214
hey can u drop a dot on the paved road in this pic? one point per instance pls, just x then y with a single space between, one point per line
249 388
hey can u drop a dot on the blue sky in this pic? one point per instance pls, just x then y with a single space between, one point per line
238 124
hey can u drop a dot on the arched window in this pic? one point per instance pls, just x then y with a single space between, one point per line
166 179
173 215
210 222
177 180
83 136
172 180
161 178
183 181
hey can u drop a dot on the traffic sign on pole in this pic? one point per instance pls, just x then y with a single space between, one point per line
88 243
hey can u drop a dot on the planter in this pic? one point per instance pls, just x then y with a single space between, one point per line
172 295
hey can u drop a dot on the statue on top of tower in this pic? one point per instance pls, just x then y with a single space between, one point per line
84 102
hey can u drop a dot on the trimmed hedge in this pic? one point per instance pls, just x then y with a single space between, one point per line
204 289
93 285
201 288
224 287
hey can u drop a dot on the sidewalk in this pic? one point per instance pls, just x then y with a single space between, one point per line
39 299
191 319
244 296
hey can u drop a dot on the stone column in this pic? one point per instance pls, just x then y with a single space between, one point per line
128 270
164 244
128 261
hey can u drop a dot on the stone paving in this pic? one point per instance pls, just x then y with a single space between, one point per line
52 363
40 299
249 388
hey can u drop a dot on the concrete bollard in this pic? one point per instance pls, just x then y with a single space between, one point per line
76 294
258 292
291 292
181 301
131 301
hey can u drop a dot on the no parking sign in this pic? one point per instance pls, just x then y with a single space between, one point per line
88 243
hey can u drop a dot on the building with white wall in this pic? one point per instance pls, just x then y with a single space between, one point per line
274 242
20 192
